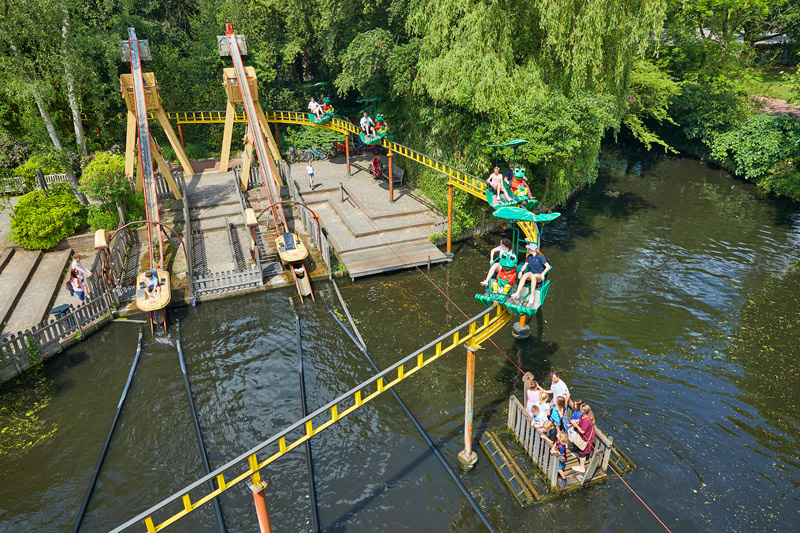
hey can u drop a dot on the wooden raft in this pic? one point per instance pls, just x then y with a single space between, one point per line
153 304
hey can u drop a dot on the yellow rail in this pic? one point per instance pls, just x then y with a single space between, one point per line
471 333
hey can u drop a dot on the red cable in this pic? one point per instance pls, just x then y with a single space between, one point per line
496 346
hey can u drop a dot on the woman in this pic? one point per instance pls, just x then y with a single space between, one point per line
531 392
585 428
558 414
496 182
75 285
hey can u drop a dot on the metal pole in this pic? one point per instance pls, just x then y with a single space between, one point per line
180 132
260 499
467 457
92 484
197 431
277 137
450 219
347 152
391 181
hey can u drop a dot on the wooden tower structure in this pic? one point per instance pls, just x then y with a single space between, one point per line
231 84
153 103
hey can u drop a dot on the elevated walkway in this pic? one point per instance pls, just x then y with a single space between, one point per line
369 235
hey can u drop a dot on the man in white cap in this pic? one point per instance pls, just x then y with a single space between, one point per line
534 270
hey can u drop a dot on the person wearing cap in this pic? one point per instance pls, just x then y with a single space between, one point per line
534 270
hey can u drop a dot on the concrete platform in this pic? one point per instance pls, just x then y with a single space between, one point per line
33 305
14 279
369 234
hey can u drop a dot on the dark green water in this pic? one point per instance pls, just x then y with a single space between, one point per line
673 311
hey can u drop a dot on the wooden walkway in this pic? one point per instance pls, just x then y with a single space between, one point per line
370 235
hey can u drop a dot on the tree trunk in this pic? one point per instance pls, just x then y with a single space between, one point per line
48 122
546 184
80 139
73 183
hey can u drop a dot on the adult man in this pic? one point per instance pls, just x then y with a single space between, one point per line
558 387
367 126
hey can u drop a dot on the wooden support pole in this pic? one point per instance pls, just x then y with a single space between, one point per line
173 141
450 219
130 145
271 143
391 180
467 457
260 500
165 169
227 137
347 152
247 159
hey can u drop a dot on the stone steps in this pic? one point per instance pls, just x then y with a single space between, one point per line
15 277
33 305
5 257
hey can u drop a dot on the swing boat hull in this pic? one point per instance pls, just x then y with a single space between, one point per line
159 302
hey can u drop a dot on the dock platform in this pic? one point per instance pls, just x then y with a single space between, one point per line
369 234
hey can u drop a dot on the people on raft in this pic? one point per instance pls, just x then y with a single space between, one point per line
380 125
315 108
534 270
519 185
496 183
367 126
151 289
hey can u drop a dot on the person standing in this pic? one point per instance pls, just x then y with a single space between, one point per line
310 174
585 427
558 388
82 271
76 286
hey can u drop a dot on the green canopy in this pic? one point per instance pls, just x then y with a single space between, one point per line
523 215
509 144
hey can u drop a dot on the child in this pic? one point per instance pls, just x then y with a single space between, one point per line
536 422
560 448
549 432
310 173
504 248
544 403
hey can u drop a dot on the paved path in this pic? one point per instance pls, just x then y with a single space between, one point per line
369 234
33 305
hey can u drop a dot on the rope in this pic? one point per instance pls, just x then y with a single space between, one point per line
383 234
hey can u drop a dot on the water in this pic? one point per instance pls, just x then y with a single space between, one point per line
673 311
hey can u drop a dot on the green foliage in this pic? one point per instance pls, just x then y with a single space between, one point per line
13 152
197 151
303 137
42 221
651 93
32 349
706 109
104 180
43 160
100 217
766 150
22 428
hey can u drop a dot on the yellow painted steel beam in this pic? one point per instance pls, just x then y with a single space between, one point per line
248 465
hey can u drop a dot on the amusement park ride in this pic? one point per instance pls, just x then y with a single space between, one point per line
241 86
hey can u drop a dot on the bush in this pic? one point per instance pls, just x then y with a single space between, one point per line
27 170
706 109
311 137
12 151
104 179
101 218
197 151
42 221
169 153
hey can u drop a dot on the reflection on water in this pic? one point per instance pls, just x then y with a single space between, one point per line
673 311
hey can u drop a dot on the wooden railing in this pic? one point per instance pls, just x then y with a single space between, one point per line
538 449
26 349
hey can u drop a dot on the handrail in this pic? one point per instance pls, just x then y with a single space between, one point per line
350 401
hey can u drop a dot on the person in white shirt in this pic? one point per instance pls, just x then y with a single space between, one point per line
82 271
503 250
367 126
310 173
558 387
315 108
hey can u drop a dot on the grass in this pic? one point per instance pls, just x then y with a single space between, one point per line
772 84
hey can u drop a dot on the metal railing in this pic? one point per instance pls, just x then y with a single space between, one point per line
313 228
248 465
187 244
228 281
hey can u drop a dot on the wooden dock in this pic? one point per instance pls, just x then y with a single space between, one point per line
523 460
368 234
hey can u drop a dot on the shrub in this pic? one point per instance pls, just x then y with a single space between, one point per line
27 170
41 221
169 153
197 151
12 151
706 109
102 218
104 179
311 137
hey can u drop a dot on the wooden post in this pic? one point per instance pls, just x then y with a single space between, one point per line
260 499
450 219
180 132
391 181
347 152
130 144
467 457
227 137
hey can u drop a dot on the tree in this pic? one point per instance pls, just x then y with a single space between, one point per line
650 94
